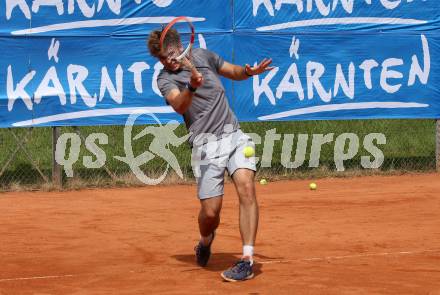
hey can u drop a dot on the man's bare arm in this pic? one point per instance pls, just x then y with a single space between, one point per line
233 72
238 73
180 100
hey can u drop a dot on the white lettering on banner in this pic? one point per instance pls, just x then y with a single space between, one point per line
298 3
386 73
57 3
266 3
11 4
323 7
415 66
294 47
315 70
340 81
391 4
44 89
157 67
160 3
19 91
346 4
87 11
76 75
114 5
116 93
54 47
264 86
367 66
137 68
390 73
287 86
321 10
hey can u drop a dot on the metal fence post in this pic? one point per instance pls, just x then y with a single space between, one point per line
437 145
57 177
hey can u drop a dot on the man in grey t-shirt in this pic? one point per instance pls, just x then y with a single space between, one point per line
217 143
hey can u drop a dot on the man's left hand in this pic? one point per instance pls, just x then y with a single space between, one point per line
263 66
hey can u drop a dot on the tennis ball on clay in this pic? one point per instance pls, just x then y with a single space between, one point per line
313 186
248 151
263 181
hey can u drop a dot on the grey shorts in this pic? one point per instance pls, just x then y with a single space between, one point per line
211 159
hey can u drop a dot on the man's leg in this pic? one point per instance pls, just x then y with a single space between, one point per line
245 186
209 217
244 183
209 169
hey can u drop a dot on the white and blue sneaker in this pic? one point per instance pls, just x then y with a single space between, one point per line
240 271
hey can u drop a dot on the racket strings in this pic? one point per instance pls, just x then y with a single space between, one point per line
177 41
172 46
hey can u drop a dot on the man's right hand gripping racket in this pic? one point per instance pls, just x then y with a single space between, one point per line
177 48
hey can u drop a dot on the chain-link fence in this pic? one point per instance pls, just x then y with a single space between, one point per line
285 149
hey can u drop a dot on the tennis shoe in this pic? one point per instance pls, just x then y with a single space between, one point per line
204 252
240 271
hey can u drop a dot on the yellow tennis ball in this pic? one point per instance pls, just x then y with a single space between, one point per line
263 181
313 186
248 151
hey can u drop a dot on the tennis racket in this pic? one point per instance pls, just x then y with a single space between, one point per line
178 48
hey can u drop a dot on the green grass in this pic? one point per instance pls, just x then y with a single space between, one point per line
410 147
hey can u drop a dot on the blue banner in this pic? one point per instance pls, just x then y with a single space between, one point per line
337 15
78 62
332 76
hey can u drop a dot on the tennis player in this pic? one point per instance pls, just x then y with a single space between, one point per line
216 140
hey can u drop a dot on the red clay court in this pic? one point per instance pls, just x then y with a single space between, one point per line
369 235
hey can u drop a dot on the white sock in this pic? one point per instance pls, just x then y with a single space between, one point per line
248 251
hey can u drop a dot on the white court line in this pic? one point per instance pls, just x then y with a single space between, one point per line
37 278
342 21
349 256
265 262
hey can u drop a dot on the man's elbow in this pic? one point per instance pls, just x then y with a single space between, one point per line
180 111
179 108
178 103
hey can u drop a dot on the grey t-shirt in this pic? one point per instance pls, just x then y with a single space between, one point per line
209 111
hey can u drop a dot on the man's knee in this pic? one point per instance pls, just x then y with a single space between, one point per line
247 192
211 208
211 213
